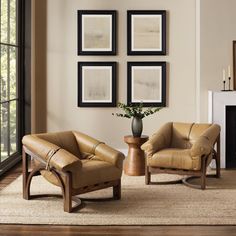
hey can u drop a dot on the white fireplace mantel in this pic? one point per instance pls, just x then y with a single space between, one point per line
217 102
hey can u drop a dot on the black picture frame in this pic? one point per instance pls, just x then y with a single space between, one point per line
113 33
159 13
97 84
161 102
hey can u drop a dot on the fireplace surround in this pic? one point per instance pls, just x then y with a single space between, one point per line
230 137
222 110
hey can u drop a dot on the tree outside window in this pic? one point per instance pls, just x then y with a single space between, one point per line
8 78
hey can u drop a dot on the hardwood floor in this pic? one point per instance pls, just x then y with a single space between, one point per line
10 230
38 230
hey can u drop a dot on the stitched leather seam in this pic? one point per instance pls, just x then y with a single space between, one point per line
190 130
95 146
51 153
206 137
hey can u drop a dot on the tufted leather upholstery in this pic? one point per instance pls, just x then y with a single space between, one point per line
89 160
181 145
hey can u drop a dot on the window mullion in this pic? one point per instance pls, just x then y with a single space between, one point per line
8 130
0 128
0 82
8 74
8 21
8 104
0 23
9 44
10 100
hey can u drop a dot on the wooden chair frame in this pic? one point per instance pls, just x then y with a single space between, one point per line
192 174
65 180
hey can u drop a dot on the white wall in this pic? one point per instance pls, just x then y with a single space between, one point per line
61 84
217 31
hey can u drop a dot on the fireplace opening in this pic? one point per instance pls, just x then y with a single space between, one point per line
230 126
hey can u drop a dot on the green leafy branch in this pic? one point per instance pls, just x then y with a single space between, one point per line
135 111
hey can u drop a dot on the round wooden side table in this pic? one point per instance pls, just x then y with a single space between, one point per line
135 161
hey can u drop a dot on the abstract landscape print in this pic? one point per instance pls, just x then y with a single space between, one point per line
96 32
96 84
146 32
147 83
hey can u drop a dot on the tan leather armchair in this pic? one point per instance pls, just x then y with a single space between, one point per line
183 148
73 161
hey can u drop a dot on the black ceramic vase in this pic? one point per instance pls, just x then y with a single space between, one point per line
137 126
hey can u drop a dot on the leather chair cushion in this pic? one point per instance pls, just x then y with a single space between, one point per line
158 140
61 160
65 140
184 135
110 155
86 143
174 158
180 135
93 172
196 131
90 146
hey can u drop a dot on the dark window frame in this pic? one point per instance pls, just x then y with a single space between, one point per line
24 79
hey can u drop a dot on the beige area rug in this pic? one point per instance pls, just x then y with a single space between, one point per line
140 204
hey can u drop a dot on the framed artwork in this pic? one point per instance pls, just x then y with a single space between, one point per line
234 63
146 32
147 83
96 84
96 32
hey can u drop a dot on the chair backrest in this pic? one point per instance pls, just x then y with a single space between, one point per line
65 140
185 134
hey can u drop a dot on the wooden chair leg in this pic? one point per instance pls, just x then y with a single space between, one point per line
68 193
147 176
203 181
218 158
117 191
217 167
25 173
203 176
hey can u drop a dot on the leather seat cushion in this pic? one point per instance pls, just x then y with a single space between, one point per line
174 158
96 171
92 172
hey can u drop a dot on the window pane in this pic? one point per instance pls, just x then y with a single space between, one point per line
4 21
13 127
8 78
8 21
4 72
4 131
12 21
12 73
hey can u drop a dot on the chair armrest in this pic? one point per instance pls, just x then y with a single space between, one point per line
86 143
201 147
205 143
104 152
109 154
62 160
159 140
154 145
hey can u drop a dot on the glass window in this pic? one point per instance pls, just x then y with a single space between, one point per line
9 79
